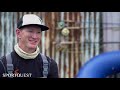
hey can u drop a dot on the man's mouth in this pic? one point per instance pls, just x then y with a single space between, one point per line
33 42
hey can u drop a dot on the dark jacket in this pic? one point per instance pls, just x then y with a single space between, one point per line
30 66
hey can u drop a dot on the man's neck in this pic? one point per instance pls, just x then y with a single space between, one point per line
27 50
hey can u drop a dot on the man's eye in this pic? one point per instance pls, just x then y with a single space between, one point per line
30 31
39 32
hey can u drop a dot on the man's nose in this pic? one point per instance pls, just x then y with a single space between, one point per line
34 35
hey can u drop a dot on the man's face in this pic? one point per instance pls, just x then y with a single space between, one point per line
29 36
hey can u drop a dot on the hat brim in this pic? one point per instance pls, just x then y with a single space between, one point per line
43 27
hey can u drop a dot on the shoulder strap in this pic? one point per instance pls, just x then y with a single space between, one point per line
45 65
9 63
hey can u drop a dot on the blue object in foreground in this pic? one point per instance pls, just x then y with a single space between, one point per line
101 66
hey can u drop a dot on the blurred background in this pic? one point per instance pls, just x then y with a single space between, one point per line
73 37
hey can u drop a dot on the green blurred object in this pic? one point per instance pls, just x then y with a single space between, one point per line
61 25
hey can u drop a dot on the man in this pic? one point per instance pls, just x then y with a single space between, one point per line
26 58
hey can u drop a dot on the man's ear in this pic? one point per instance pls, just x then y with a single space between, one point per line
18 33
